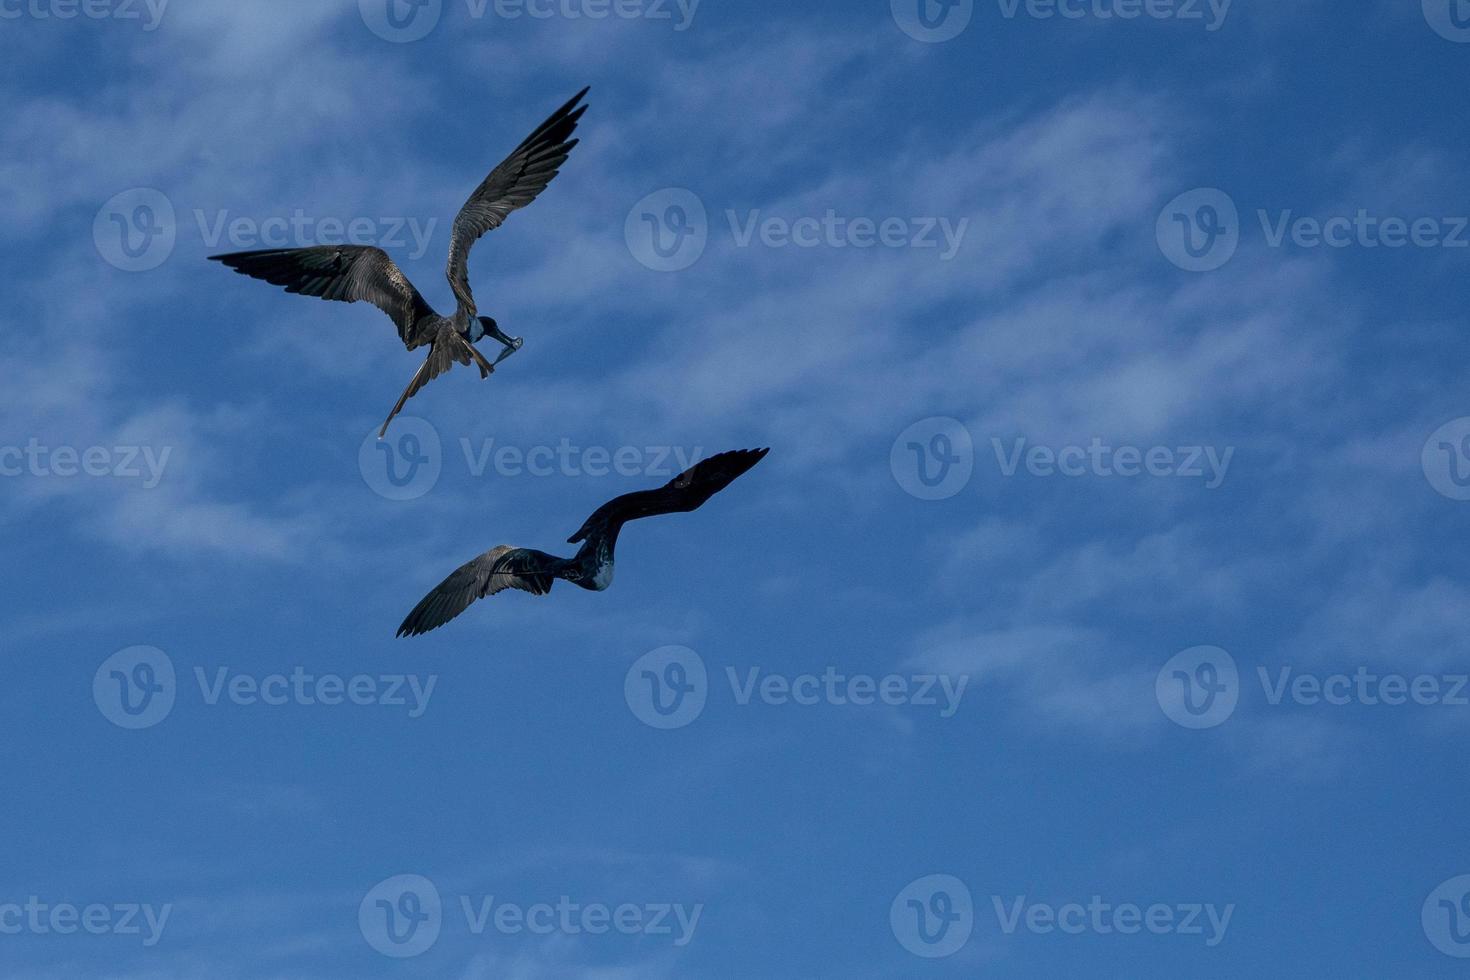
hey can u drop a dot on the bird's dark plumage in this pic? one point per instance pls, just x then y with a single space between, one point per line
683 493
533 571
513 184
347 273
350 273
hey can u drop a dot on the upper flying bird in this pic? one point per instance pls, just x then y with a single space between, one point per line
533 571
364 272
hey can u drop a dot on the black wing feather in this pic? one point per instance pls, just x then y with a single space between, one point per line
513 184
495 571
685 492
345 273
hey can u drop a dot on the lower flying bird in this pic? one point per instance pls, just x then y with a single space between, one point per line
534 571
363 272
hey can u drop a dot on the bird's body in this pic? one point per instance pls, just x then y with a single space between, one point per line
507 567
350 273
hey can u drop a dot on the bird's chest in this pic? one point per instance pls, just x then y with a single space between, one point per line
602 576
602 573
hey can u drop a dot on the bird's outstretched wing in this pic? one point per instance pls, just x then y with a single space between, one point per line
495 571
513 184
347 273
683 493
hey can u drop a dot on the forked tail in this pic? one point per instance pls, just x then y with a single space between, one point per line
448 350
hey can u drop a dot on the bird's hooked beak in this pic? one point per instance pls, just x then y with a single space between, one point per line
515 345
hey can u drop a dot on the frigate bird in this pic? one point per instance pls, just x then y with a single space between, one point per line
533 571
350 273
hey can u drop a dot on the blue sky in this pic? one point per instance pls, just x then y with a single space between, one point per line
1099 610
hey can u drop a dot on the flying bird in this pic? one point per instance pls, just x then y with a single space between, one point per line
350 273
533 571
